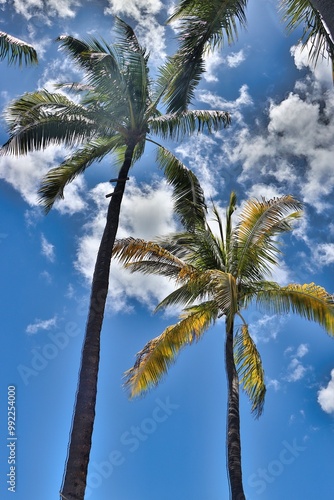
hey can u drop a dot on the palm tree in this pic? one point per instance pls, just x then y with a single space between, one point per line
13 49
118 113
221 275
205 25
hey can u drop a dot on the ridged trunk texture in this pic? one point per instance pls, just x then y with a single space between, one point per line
233 421
74 483
326 10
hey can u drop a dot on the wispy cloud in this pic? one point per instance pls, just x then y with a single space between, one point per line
296 370
41 325
47 249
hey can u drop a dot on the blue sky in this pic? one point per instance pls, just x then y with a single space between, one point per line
171 443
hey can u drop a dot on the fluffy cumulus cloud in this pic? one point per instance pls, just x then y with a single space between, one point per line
214 60
295 150
24 173
321 71
326 396
147 211
39 324
49 8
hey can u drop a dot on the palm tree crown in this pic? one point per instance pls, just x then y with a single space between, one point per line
220 275
117 112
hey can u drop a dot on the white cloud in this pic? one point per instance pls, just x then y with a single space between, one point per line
235 59
274 383
46 8
213 60
296 370
24 173
47 249
198 153
233 107
41 325
321 71
264 327
295 150
326 396
146 212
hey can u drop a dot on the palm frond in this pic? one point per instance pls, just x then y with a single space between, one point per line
39 119
201 24
315 34
260 222
173 126
188 196
15 50
309 301
250 370
154 360
54 182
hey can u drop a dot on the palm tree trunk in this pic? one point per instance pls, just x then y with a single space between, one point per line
233 420
326 10
74 482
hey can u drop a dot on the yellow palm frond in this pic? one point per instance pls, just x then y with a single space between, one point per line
249 366
310 301
254 237
159 353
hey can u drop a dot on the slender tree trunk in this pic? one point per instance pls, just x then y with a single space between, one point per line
326 10
233 421
74 482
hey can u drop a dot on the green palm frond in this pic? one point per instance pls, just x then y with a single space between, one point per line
172 126
154 360
54 182
302 12
201 24
254 237
39 119
309 301
188 196
16 50
249 367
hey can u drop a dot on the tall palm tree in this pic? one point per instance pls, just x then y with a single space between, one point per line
205 25
16 50
118 113
221 275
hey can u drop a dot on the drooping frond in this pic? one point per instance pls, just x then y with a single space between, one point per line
309 301
315 36
39 119
147 257
172 126
154 360
16 50
53 184
249 367
188 196
201 24
254 244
